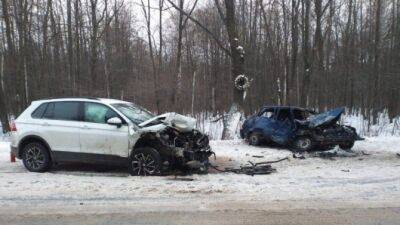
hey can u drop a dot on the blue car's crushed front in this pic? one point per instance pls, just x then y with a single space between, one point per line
323 128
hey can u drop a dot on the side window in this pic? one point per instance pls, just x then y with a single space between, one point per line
283 114
38 113
268 113
62 111
299 114
49 111
98 113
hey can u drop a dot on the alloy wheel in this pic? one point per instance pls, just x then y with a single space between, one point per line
144 164
35 158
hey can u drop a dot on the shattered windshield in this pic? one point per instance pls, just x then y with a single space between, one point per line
134 112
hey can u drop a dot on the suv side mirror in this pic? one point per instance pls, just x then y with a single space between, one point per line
115 121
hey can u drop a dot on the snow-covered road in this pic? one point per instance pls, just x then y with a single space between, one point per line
363 180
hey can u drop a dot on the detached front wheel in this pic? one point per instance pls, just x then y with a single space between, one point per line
145 162
303 144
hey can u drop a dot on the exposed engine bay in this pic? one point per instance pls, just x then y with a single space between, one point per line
180 145
330 134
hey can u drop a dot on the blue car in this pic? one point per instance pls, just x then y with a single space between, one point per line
298 128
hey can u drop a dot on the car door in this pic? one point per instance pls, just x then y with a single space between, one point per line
265 122
283 126
60 125
98 137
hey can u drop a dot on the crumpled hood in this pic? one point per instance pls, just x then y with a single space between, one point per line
178 121
326 117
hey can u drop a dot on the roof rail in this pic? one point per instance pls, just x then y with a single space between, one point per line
80 97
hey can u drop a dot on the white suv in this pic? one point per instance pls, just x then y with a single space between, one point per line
106 131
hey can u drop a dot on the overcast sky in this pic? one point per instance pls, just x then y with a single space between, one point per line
136 7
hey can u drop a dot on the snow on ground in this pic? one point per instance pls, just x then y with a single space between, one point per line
362 178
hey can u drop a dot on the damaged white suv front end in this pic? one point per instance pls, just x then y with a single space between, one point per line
174 136
179 145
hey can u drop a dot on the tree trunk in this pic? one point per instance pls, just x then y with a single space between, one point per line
376 99
70 52
307 71
237 57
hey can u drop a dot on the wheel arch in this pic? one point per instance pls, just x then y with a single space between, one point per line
147 140
303 132
32 138
255 130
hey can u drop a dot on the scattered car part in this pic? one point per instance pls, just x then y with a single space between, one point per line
175 178
253 170
260 168
364 153
298 155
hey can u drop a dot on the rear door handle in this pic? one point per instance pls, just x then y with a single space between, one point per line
46 124
85 127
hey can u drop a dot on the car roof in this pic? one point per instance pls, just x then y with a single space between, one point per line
283 107
84 99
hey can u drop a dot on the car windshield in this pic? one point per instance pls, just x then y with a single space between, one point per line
134 112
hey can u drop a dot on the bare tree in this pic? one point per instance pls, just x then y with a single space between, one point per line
317 54
147 14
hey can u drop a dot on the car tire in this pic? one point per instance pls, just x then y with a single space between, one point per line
144 162
36 157
254 139
303 143
347 146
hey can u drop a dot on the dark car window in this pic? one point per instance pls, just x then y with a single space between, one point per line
98 113
283 114
299 114
38 113
62 111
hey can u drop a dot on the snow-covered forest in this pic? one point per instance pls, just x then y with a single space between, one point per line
183 55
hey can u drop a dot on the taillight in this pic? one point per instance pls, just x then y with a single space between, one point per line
13 127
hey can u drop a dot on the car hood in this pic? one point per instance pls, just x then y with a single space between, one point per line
327 117
178 121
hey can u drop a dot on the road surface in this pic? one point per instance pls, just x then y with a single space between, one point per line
360 188
361 216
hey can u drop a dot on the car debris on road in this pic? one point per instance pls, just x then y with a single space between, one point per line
260 168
